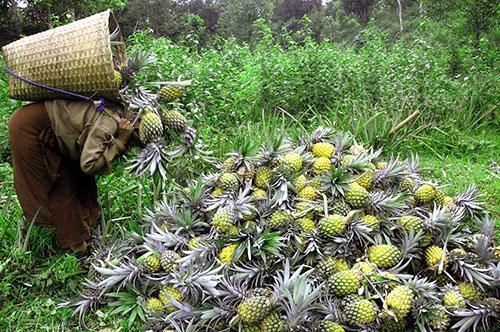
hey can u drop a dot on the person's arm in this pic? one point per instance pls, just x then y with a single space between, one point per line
106 140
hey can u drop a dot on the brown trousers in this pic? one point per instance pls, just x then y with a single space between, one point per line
50 187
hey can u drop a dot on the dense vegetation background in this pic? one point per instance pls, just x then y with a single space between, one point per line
260 65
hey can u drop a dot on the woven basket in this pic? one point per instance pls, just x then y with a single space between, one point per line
77 57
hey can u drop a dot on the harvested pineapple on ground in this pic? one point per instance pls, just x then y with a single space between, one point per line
313 234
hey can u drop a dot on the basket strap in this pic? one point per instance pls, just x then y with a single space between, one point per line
101 106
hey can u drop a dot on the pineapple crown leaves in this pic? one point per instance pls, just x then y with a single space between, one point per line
386 203
482 316
137 61
253 273
411 166
152 159
479 276
262 243
159 239
270 151
389 175
128 302
197 282
336 181
319 135
119 276
361 162
196 195
471 201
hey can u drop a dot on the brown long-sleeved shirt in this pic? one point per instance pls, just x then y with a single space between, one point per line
85 134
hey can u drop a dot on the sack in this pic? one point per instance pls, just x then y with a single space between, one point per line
78 57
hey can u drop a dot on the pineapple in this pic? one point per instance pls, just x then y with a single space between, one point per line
331 225
365 180
150 127
303 206
384 255
408 184
453 300
293 161
229 182
329 326
229 165
330 265
321 165
257 192
263 177
469 291
194 243
226 254
439 197
218 191
447 200
279 219
300 182
425 194
360 312
170 93
411 223
174 293
223 219
433 256
150 263
439 320
118 78
365 269
356 196
323 150
343 283
174 120
249 328
371 221
169 260
254 309
356 149
308 193
400 300
339 207
154 304
306 224
272 323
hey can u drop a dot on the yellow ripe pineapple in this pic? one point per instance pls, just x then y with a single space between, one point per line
254 309
384 255
154 304
439 320
408 184
469 291
452 299
226 254
329 326
306 224
447 200
400 300
439 197
330 265
217 192
308 193
380 165
433 256
259 193
300 182
323 150
170 93
343 283
263 177
150 127
165 293
371 221
229 165
356 195
360 312
366 180
331 225
425 193
194 243
293 161
151 263
322 165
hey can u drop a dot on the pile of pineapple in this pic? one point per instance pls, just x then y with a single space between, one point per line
312 233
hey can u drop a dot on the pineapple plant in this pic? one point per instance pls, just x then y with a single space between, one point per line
226 254
306 224
453 299
223 219
322 165
229 182
279 219
330 265
150 263
425 193
272 323
293 161
154 305
433 257
308 193
166 294
300 182
469 291
366 180
411 223
263 177
371 221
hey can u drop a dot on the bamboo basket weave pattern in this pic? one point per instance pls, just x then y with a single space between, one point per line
76 57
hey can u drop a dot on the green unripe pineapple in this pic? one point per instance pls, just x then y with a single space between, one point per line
365 268
150 127
321 165
259 193
469 291
118 78
366 180
439 320
150 263
331 225
343 283
384 255
408 184
400 300
356 195
223 220
371 221
229 182
329 326
174 293
330 265
339 207
433 256
306 224
170 93
360 312
439 197
279 219
169 260
272 323
323 150
300 182
174 120
254 309
303 206
452 299
411 223
263 177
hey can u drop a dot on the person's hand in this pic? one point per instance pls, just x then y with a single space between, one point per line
125 129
